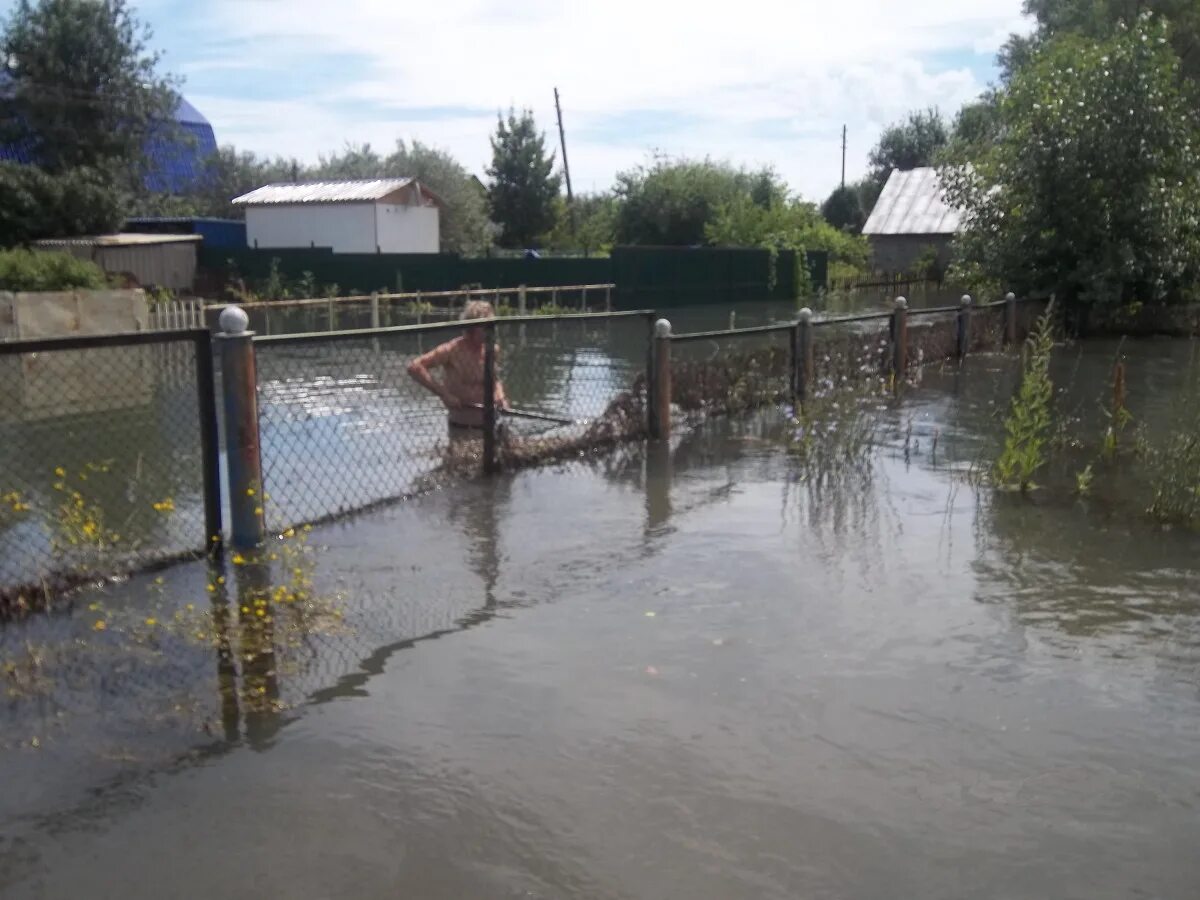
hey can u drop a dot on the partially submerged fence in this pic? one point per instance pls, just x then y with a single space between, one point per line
109 457
722 372
384 310
344 425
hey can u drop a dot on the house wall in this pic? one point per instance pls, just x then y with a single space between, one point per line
898 253
346 227
407 229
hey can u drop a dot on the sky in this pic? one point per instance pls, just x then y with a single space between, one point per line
757 82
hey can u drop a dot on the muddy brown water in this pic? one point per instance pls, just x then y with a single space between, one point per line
707 673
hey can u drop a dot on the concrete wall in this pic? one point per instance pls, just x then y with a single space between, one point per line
898 253
51 385
346 227
69 313
407 229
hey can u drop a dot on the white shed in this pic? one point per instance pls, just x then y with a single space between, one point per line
387 215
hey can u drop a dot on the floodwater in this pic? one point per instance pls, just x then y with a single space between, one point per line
702 672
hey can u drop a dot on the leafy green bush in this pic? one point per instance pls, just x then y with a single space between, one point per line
33 270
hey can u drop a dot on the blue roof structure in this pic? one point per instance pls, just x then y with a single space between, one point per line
175 164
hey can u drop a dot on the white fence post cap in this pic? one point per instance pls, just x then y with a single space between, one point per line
662 328
233 320
901 303
805 314
966 299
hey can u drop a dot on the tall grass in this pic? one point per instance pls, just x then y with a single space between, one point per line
1030 415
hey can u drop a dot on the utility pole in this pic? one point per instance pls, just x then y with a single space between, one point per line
562 138
843 156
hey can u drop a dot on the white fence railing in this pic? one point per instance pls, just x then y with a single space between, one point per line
176 315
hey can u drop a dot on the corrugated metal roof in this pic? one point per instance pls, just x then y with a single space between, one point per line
912 203
119 240
323 191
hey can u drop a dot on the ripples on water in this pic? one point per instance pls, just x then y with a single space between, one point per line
702 674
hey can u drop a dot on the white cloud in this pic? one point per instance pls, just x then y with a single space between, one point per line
765 81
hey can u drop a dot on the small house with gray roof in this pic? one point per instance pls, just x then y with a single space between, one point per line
910 216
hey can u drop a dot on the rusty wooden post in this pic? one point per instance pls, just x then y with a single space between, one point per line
243 455
899 340
964 326
803 337
660 422
1010 319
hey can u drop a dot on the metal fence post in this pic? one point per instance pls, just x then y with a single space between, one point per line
242 451
651 375
803 374
374 310
521 300
661 420
608 298
964 326
210 447
899 340
1010 319
489 397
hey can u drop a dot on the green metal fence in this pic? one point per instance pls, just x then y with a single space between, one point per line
644 276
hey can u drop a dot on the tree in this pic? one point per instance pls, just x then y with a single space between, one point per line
1099 20
1092 187
524 184
594 228
670 202
978 122
843 209
784 225
86 90
36 205
910 144
465 225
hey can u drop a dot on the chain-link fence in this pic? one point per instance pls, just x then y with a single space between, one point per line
352 419
108 458
719 373
738 370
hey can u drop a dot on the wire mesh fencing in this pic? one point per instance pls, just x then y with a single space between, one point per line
720 373
353 419
739 370
108 458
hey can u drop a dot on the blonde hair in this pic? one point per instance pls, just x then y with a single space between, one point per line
478 309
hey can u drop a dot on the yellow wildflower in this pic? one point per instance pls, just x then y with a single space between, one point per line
60 472
100 625
151 621
238 559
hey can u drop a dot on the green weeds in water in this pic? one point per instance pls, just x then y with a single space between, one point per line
1084 479
1030 416
1174 464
